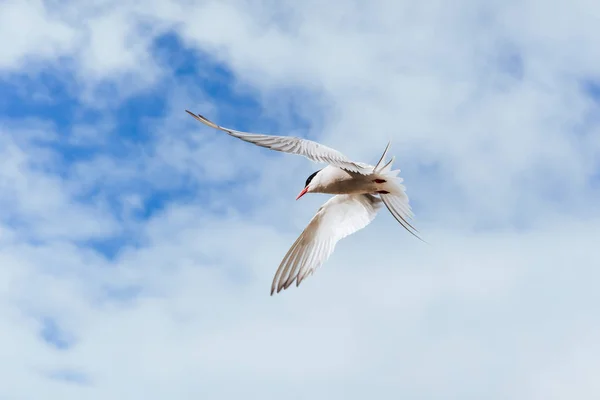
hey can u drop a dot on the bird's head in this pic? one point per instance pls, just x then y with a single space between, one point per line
311 185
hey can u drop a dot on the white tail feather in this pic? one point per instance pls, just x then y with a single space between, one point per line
381 160
396 200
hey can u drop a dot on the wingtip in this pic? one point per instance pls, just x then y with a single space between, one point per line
193 115
202 119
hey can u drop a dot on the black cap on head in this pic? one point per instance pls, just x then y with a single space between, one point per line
310 178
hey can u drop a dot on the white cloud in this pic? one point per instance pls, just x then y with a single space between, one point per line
417 319
483 101
31 33
35 197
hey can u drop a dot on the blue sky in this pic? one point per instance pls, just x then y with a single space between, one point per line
138 247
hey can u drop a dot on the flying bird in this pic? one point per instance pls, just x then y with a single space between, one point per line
359 189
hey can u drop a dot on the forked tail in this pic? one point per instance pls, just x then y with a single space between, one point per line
394 197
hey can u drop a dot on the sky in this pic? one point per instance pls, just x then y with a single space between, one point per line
137 247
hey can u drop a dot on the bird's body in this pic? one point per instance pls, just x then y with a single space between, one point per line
360 190
339 181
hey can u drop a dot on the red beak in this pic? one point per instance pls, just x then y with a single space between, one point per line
302 193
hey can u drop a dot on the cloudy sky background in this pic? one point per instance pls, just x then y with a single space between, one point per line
138 247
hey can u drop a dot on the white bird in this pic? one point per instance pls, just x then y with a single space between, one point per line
359 190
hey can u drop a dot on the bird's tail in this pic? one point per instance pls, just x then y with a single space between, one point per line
385 168
394 194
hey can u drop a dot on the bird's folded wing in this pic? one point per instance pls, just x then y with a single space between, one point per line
288 144
340 216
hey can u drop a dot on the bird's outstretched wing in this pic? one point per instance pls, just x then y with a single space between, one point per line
288 144
340 216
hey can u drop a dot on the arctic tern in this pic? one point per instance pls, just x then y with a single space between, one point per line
359 189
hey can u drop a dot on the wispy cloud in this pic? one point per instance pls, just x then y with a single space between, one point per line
137 248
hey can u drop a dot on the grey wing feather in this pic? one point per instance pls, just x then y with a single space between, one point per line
288 144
